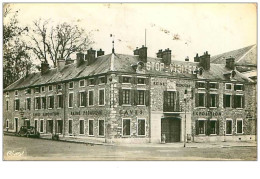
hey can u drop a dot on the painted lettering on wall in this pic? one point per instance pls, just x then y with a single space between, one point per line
94 112
206 113
130 112
173 68
47 114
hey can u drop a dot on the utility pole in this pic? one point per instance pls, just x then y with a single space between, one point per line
185 100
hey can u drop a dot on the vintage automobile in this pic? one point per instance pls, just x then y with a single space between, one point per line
28 131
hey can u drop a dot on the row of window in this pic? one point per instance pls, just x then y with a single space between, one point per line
211 127
136 80
82 83
48 102
215 85
203 99
126 126
134 97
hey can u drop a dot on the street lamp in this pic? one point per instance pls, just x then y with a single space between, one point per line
185 100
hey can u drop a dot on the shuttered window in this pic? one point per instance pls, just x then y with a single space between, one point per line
91 127
60 101
140 97
16 104
229 127
141 127
90 98
83 99
101 97
101 127
44 103
239 101
227 101
213 100
200 100
41 125
171 101
126 127
202 126
239 126
71 100
28 103
70 126
81 127
51 102
37 103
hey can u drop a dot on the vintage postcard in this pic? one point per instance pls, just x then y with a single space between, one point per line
129 81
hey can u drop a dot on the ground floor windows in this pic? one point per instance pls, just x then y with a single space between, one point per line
141 127
90 127
81 126
49 126
229 126
207 126
36 124
201 126
239 126
213 127
27 122
126 127
101 127
7 123
70 127
59 126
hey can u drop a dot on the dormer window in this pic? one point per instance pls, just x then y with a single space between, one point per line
50 88
16 93
102 80
213 85
201 84
238 87
82 83
59 87
200 71
126 79
37 90
92 81
228 86
141 81
43 88
71 85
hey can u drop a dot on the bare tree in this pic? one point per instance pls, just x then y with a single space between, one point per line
59 41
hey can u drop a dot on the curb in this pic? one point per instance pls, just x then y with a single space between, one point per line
62 140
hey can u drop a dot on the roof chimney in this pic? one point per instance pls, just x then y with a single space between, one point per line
230 63
60 64
187 59
100 53
159 54
80 59
204 61
69 61
197 59
90 56
166 56
136 51
44 67
143 54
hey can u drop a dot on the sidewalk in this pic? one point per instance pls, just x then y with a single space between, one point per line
170 145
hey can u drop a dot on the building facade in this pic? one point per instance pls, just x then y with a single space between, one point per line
135 99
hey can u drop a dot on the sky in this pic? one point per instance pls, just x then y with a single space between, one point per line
186 29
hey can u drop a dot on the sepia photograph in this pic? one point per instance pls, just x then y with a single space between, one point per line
129 81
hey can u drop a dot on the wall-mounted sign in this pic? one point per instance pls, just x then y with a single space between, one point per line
206 113
171 85
47 114
87 112
130 112
176 68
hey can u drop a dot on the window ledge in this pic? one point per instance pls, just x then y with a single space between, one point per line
101 136
140 105
213 134
126 83
101 105
81 134
91 135
228 134
126 105
91 105
213 107
70 107
239 108
202 134
91 85
201 107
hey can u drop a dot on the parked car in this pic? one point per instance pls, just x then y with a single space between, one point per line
28 131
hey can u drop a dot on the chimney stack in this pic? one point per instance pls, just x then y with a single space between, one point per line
197 58
204 61
80 59
69 61
166 56
44 67
159 54
60 64
142 52
90 56
187 59
100 53
230 63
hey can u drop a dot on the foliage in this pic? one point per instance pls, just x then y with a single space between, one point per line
60 41
16 60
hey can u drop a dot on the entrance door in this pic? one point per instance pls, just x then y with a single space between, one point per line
171 128
36 125
49 126
16 124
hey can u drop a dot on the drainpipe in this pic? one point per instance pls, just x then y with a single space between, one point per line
149 109
64 108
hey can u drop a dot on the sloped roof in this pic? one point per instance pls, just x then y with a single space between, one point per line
116 62
244 56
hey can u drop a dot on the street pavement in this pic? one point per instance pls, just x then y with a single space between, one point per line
22 148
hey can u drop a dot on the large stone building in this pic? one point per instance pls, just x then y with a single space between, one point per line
135 99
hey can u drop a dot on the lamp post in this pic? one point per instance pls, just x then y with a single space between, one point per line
185 100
